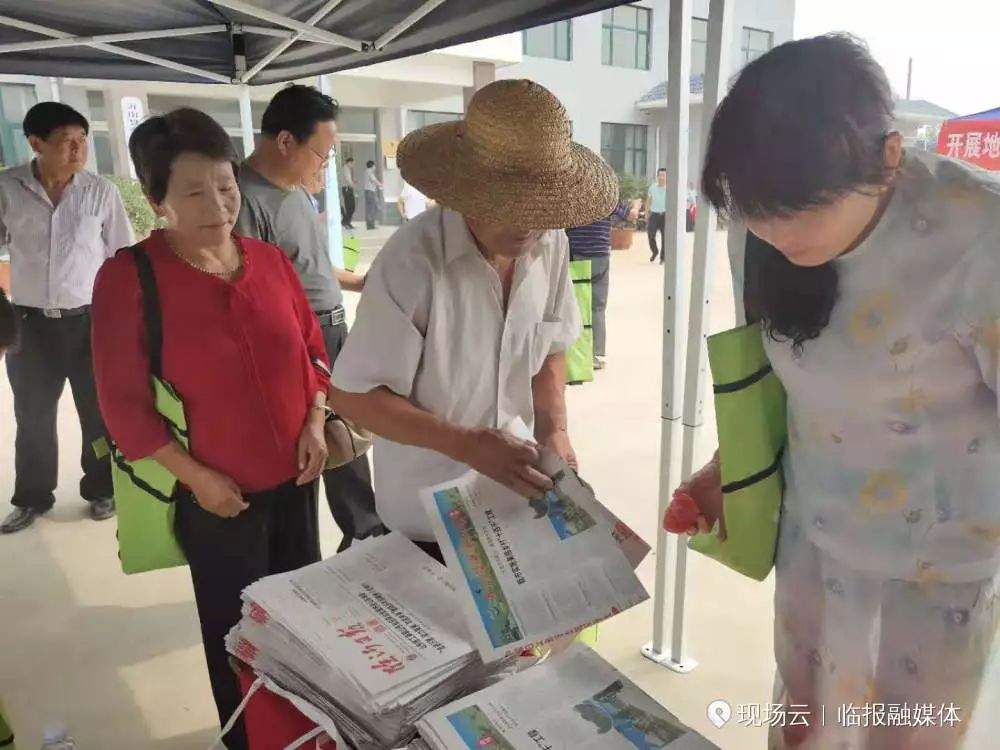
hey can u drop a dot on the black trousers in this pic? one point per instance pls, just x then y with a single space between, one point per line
348 205
657 223
50 352
276 534
349 488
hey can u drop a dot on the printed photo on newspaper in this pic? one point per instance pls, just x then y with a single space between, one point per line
574 700
533 570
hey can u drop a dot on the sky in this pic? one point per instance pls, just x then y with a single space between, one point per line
955 44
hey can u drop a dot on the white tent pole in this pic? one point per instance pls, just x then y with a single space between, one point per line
674 142
135 36
112 49
276 18
720 23
407 23
285 34
334 230
246 120
270 56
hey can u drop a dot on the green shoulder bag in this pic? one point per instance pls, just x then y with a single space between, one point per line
144 490
750 413
580 356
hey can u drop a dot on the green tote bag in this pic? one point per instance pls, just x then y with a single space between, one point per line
580 356
750 413
144 490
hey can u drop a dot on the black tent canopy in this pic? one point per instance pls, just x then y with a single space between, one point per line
248 41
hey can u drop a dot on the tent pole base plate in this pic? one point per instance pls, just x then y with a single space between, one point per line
684 666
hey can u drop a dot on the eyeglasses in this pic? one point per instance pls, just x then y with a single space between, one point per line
324 159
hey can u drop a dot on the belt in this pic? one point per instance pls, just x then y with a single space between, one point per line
55 312
334 317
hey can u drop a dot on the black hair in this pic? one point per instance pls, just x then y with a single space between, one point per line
8 323
157 142
661 169
370 164
803 126
45 117
349 160
298 109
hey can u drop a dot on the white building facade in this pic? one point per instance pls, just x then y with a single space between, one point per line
609 69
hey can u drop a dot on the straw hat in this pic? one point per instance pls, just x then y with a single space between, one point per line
511 161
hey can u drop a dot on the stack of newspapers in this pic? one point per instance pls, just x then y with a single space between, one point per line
372 639
574 700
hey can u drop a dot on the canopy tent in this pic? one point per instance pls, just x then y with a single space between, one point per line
974 138
256 42
249 41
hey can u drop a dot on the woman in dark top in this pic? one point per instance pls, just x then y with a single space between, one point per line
246 356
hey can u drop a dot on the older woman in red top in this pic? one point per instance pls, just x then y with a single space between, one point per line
245 354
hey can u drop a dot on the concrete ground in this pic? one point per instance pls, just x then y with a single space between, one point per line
118 659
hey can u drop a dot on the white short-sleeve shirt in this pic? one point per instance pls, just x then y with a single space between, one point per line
431 327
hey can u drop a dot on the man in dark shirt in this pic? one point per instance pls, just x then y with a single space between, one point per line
593 242
298 131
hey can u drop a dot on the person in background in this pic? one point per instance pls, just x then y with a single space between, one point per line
593 242
411 202
347 198
875 275
60 223
656 213
8 324
372 188
469 308
299 130
691 214
244 353
314 184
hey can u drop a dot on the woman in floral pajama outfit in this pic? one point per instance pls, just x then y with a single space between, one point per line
876 276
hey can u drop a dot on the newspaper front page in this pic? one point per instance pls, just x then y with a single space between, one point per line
532 571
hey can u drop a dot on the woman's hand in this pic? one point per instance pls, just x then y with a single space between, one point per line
697 503
505 459
312 450
218 494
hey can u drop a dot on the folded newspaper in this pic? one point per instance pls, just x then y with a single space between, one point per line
573 701
372 638
533 571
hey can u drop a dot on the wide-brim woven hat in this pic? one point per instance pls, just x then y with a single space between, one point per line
511 161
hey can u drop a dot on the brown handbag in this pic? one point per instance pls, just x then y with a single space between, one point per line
345 441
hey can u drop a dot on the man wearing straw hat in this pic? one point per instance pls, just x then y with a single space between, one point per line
469 308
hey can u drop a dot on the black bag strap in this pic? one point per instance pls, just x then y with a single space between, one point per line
151 313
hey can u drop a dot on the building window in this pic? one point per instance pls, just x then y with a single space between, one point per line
104 159
418 118
699 45
624 147
625 42
554 40
96 105
15 101
755 43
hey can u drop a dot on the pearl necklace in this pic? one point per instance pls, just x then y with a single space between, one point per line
229 273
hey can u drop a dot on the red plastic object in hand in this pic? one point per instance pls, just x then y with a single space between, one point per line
682 514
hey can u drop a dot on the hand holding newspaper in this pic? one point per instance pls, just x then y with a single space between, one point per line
532 571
